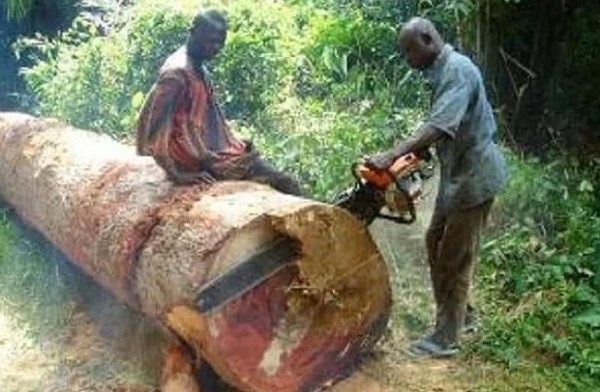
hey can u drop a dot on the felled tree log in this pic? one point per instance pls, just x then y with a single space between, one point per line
154 245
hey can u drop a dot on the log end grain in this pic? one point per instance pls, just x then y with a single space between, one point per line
309 324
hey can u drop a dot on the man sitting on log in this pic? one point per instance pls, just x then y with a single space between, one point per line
183 128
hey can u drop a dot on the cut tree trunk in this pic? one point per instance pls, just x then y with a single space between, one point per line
154 245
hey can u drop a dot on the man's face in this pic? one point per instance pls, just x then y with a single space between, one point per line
418 53
206 42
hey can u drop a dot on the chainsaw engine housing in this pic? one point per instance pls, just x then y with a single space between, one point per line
396 190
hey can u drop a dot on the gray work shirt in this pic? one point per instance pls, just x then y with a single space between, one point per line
472 168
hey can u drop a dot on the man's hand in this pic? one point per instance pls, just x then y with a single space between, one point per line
206 177
383 160
418 143
202 177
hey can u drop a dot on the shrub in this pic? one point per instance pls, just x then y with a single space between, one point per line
319 145
260 54
99 82
541 276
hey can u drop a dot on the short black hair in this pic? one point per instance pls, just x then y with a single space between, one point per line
210 19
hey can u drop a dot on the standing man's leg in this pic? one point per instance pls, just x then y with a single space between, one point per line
433 238
456 255
452 244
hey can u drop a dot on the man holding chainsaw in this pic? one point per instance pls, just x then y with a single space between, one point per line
181 124
461 125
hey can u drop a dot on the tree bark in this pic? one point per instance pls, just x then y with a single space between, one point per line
154 245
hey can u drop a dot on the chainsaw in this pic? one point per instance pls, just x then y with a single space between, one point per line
384 193
395 189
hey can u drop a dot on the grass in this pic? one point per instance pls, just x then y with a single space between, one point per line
73 334
29 286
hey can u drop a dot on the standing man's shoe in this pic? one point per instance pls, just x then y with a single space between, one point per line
427 348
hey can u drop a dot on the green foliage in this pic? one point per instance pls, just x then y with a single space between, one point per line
98 82
446 15
260 55
340 45
348 59
357 43
319 145
541 276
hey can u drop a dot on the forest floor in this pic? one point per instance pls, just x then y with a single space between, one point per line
85 340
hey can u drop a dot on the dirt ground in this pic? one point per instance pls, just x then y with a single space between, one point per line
85 356
105 347
82 360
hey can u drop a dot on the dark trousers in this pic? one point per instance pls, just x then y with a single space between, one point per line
262 172
452 242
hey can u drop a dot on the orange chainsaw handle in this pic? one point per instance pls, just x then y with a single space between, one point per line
382 178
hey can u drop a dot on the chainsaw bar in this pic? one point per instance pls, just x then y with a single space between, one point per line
362 200
246 274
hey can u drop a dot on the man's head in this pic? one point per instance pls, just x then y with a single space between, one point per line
207 35
420 43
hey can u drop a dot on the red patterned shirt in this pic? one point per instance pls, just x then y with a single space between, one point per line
183 128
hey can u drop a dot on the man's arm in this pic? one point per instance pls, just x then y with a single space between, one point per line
444 119
417 143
